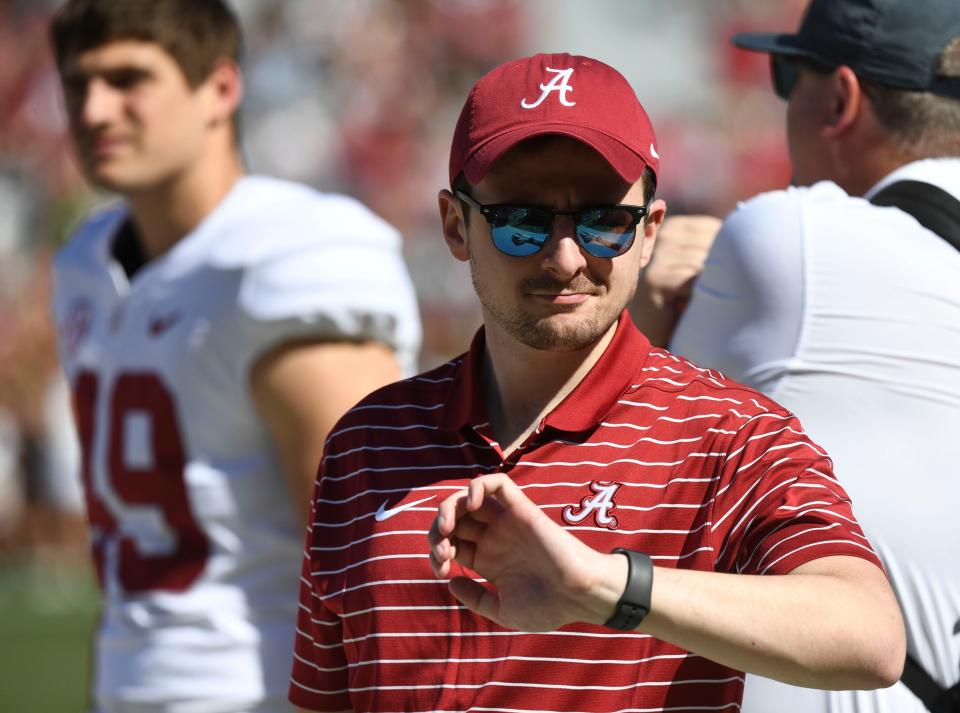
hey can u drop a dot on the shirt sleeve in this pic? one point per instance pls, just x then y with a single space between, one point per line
778 504
746 312
319 677
349 290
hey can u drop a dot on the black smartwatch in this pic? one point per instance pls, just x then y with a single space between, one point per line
634 603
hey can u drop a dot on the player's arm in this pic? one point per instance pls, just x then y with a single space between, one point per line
831 623
301 389
666 284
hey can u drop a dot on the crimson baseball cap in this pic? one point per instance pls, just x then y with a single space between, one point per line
559 94
896 43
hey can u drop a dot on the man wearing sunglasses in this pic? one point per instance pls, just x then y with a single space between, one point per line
840 297
565 518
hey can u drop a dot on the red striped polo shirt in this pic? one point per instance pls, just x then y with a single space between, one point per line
649 452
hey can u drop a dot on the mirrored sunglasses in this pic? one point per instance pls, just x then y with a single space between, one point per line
520 230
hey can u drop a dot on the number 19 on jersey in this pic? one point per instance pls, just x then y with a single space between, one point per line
121 494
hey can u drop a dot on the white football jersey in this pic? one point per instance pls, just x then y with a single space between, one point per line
195 536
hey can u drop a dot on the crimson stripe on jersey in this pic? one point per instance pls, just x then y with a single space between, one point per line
699 472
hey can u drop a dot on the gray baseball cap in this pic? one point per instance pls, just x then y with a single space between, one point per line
896 43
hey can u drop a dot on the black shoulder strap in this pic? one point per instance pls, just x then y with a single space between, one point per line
937 211
935 697
933 207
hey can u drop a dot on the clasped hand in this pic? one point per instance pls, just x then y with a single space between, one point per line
539 576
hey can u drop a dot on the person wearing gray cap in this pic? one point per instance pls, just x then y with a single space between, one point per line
840 298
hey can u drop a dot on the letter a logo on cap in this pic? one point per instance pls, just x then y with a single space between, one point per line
560 83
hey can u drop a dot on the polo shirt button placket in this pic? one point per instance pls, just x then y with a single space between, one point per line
514 459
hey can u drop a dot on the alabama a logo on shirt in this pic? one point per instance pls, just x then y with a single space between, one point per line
559 84
600 505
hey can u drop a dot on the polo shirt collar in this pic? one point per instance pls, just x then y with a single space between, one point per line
583 408
464 402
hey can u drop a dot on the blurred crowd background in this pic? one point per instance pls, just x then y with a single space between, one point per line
358 96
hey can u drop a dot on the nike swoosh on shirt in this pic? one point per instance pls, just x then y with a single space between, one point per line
383 514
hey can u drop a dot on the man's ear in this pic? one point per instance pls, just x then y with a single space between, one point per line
846 103
651 226
453 224
224 89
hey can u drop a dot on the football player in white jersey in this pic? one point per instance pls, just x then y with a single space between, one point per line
213 326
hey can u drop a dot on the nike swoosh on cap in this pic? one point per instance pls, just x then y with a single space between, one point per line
383 514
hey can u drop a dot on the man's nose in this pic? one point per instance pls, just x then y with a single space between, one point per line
562 255
100 103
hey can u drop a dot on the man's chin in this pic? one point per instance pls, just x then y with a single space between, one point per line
113 176
565 332
115 182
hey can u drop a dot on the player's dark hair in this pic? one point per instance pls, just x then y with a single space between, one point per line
925 125
196 33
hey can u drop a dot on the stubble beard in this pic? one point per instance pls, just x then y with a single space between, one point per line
543 332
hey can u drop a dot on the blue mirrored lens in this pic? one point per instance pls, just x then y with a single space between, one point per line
603 243
517 241
521 231
606 232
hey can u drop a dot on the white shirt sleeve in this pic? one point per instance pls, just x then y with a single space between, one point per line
746 312
357 290
317 266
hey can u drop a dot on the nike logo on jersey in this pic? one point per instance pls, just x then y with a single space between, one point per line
76 325
383 514
161 324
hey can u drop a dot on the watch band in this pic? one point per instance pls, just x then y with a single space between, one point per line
634 603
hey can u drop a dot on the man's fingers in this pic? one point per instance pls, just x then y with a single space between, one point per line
497 486
690 231
433 534
476 598
464 553
447 513
441 570
470 529
683 244
452 523
488 511
453 549
483 486
462 519
478 499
